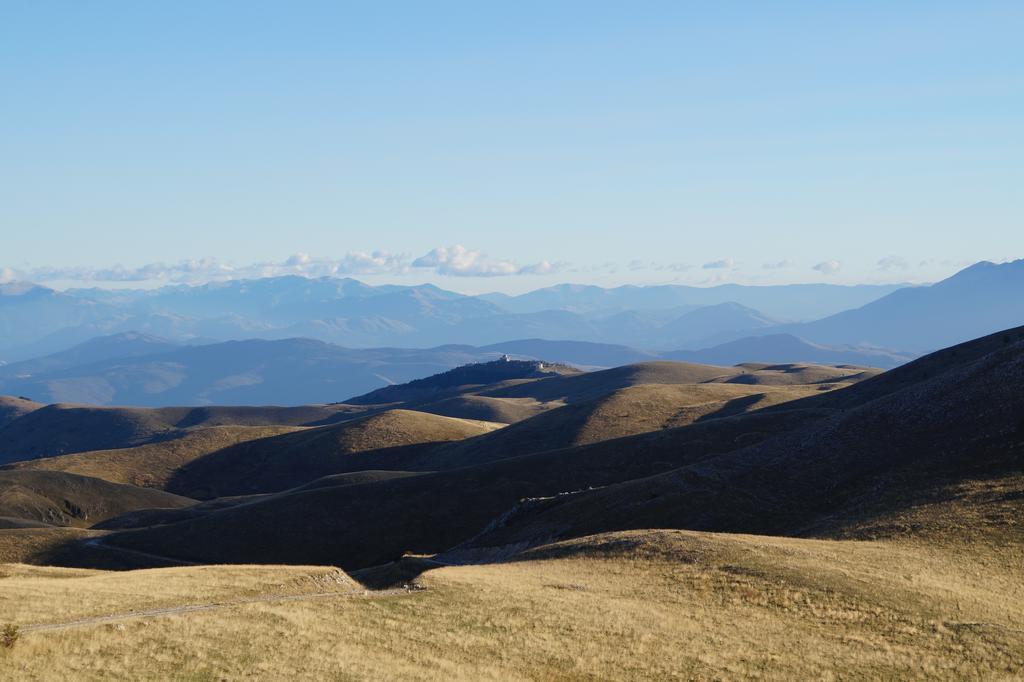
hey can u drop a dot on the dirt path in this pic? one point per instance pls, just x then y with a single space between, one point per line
211 606
98 543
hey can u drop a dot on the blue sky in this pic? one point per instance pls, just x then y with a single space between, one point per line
488 146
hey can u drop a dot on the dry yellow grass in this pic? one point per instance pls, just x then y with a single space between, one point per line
153 464
650 407
29 545
37 594
632 605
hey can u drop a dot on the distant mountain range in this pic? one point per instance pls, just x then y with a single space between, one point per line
792 302
786 348
141 370
253 372
976 301
883 324
36 321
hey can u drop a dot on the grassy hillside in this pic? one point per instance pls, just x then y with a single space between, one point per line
60 429
63 499
289 460
799 374
957 436
26 542
12 408
460 380
590 385
154 464
635 605
485 408
362 525
623 412
783 470
271 465
65 429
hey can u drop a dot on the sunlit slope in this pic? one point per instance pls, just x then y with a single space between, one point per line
644 604
289 460
153 464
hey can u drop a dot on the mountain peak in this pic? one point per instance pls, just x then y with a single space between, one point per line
23 288
986 270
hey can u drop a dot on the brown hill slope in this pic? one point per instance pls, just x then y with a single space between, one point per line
799 374
776 470
918 371
289 460
64 429
151 465
362 525
485 408
461 380
60 429
62 499
624 412
12 408
912 462
512 401
577 387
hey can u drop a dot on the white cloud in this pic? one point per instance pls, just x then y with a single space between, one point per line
606 268
828 267
724 264
352 263
453 261
462 262
211 269
458 261
545 267
639 265
893 263
780 265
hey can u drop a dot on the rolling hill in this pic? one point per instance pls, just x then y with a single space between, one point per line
64 429
192 453
14 408
153 464
61 499
647 604
796 468
292 459
368 524
951 443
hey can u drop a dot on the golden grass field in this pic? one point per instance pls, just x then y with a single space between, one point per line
629 605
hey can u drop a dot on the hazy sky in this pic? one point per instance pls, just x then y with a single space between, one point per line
551 141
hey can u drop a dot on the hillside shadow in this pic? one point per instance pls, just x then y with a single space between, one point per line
401 572
734 407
